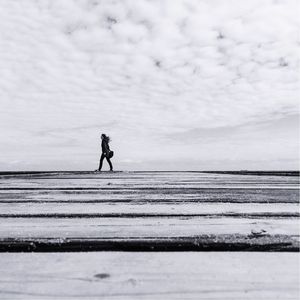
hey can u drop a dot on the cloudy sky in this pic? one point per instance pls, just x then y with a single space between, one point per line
177 84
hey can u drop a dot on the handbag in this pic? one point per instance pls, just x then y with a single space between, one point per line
110 154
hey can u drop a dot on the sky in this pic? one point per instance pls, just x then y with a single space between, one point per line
176 84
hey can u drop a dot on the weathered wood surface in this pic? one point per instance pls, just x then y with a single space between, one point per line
148 211
152 275
184 211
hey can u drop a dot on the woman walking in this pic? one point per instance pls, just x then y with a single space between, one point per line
106 152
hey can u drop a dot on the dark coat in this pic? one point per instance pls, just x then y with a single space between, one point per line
105 147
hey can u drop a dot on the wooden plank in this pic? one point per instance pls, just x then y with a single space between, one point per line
153 195
171 208
123 275
143 227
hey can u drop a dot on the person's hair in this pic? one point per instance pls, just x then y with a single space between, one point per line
105 137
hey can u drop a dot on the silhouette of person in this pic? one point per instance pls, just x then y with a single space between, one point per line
106 152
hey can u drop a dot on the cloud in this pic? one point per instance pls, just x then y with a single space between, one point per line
143 71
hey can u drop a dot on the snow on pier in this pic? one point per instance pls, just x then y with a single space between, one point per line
63 213
148 211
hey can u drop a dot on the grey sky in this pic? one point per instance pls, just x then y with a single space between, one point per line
178 84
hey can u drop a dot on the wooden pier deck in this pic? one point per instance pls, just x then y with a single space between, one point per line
74 211
67 212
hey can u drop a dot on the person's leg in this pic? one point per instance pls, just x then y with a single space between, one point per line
101 162
110 164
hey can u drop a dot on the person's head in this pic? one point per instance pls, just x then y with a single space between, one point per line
105 137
